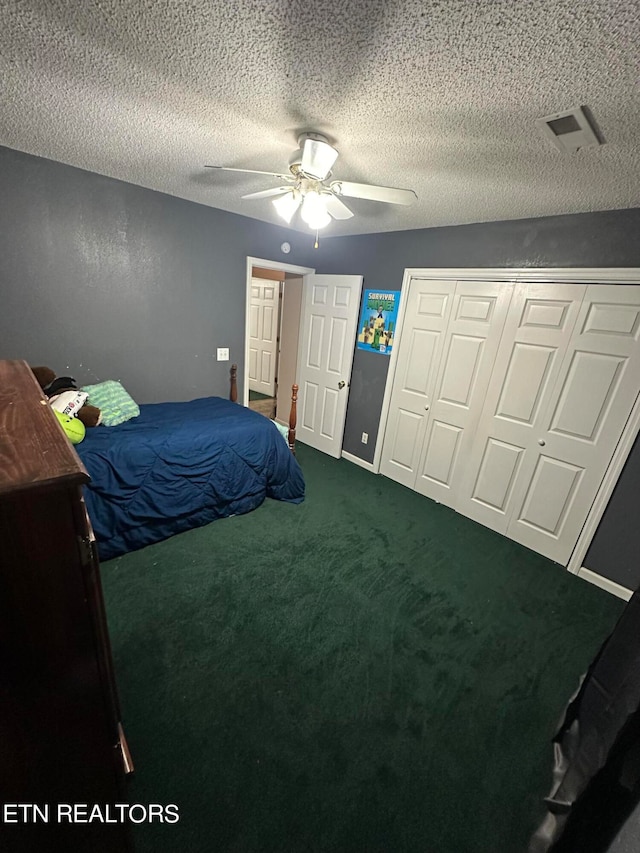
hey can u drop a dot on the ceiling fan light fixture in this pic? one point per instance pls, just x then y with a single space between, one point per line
308 186
314 211
318 158
287 205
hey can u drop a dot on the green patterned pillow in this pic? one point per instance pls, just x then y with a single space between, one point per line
113 401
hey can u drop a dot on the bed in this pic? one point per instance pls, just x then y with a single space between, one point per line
182 465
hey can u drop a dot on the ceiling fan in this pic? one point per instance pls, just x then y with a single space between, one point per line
309 187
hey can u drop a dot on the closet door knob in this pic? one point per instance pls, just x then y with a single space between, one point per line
426 408
541 442
341 384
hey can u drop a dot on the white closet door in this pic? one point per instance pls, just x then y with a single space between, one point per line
470 345
263 335
534 341
428 306
591 402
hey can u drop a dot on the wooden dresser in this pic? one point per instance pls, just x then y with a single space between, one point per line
60 737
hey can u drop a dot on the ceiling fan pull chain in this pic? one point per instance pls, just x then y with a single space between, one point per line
316 244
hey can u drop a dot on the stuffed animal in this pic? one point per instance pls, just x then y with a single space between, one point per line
64 396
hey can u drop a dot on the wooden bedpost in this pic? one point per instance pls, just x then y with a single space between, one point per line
293 417
233 391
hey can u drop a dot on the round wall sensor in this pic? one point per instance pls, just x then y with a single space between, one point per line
286 248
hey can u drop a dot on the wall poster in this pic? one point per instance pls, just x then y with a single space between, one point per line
378 321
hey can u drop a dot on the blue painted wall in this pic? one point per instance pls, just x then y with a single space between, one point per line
100 279
105 280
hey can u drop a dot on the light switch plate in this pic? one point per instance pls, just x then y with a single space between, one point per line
223 353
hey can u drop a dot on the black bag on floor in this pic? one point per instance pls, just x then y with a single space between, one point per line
596 774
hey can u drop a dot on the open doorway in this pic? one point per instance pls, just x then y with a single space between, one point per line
273 308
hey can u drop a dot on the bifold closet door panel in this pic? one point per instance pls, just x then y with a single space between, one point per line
427 313
596 389
535 339
509 401
471 342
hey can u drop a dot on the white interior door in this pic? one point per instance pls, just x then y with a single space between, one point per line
471 342
508 401
597 387
535 338
263 335
327 340
566 378
426 316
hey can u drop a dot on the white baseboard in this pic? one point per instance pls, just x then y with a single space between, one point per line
357 461
604 583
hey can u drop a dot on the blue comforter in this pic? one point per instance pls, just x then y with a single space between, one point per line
180 465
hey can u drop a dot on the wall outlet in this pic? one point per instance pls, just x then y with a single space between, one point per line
223 353
365 437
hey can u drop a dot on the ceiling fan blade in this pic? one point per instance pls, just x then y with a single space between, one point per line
336 208
252 172
390 195
317 158
268 193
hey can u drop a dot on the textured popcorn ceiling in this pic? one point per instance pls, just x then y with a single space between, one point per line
439 96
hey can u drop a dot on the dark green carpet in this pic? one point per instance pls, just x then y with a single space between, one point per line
256 395
366 672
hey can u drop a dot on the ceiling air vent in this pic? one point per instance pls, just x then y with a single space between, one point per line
568 131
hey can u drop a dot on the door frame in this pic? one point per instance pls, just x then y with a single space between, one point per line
543 275
269 265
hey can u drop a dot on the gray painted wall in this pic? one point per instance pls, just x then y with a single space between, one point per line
100 279
615 549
